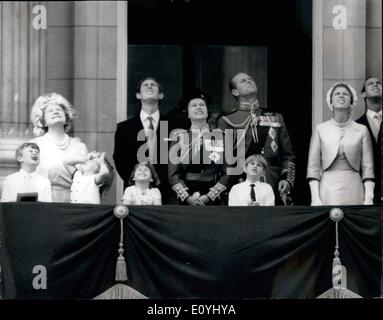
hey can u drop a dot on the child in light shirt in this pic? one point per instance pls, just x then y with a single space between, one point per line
253 192
87 177
27 181
141 193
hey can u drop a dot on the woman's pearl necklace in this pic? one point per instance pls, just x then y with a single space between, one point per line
63 144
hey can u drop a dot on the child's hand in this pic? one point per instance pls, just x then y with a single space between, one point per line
102 158
93 155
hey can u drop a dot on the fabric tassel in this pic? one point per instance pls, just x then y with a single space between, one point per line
121 274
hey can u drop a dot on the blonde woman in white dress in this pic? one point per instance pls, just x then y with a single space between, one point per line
340 166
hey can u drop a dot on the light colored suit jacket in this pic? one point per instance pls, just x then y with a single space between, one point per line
324 148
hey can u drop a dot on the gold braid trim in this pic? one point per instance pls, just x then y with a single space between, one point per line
216 191
237 126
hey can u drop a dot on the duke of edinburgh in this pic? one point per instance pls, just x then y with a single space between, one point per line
264 133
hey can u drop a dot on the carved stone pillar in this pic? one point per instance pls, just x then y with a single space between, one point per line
22 77
374 38
339 51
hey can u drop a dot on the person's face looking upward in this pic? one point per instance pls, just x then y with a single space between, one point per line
149 90
243 85
197 109
142 173
30 156
341 98
373 88
54 114
254 170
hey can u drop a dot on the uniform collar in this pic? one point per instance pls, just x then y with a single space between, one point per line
205 127
247 106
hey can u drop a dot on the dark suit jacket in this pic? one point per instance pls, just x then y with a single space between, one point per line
381 160
376 146
126 146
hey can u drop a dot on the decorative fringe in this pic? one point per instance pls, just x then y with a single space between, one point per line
121 212
120 291
121 274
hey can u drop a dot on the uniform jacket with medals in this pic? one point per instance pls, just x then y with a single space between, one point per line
265 134
200 166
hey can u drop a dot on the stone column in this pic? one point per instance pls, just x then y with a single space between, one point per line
95 76
23 77
374 38
339 51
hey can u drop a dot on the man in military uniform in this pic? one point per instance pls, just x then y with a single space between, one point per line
263 132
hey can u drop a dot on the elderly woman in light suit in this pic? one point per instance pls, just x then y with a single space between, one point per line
52 117
340 165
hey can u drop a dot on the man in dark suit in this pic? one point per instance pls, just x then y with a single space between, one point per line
263 133
381 161
372 119
139 139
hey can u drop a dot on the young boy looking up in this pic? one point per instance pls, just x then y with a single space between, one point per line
27 180
253 192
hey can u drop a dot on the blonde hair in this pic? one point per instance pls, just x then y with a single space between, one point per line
38 109
257 157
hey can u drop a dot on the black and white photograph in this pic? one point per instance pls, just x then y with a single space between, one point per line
176 150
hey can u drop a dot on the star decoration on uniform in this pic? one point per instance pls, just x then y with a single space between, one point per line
214 156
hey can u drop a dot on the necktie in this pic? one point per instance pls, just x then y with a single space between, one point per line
377 120
151 127
252 192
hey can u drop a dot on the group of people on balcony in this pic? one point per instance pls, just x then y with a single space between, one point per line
247 159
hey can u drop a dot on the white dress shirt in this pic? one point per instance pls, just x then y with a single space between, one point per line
374 119
239 194
24 182
146 122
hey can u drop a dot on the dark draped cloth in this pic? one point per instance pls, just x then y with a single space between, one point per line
186 252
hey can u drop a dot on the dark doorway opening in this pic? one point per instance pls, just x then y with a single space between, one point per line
186 31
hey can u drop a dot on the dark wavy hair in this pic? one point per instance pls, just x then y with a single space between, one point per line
156 180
